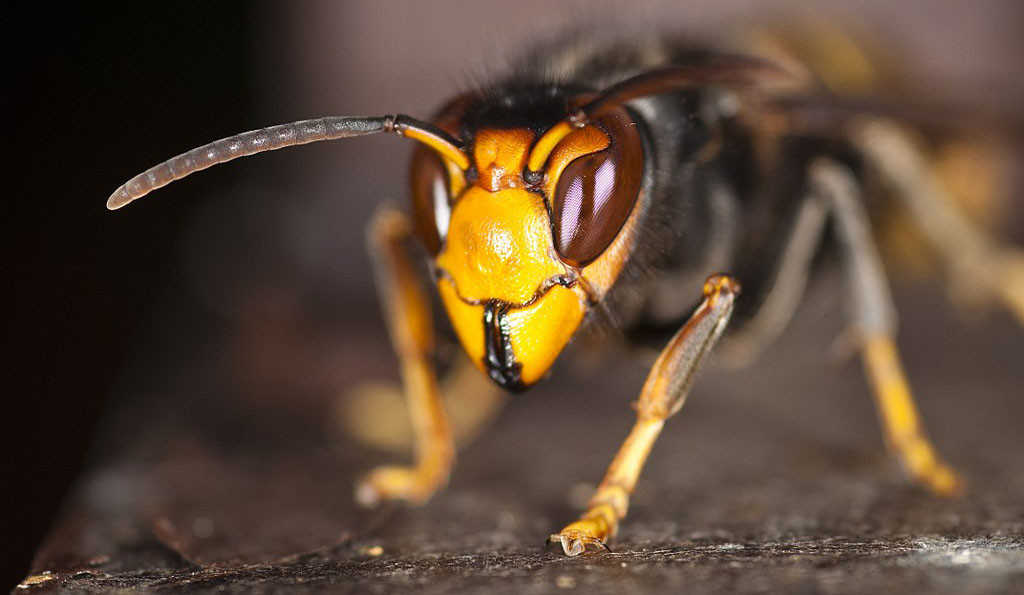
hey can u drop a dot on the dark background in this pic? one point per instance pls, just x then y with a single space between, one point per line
100 94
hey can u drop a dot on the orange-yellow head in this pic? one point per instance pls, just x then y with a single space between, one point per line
531 233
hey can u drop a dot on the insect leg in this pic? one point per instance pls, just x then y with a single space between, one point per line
662 396
787 285
407 312
375 412
975 260
874 320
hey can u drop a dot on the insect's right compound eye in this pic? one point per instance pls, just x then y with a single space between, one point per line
595 192
431 198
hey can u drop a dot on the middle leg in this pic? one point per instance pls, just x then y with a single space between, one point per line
874 321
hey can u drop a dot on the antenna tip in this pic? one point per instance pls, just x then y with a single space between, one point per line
118 199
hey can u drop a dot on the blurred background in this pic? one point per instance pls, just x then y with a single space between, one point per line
103 303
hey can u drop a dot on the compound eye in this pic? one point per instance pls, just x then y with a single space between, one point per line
431 198
595 194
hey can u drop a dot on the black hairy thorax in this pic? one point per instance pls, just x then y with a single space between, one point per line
532 106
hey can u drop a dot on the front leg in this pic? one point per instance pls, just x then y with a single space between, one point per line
667 385
407 312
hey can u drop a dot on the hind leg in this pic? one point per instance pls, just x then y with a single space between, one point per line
977 263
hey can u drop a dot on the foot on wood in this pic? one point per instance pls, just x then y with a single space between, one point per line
581 537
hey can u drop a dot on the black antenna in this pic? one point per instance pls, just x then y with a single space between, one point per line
730 71
279 137
243 145
741 73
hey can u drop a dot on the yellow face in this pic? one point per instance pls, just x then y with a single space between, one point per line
513 301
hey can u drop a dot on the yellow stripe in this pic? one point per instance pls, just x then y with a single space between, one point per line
443 147
542 150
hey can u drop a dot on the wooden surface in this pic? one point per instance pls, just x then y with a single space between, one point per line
221 467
